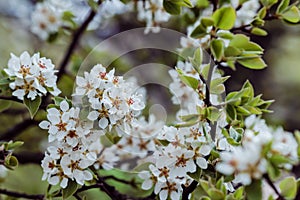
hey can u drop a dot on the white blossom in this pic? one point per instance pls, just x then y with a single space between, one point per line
33 76
153 12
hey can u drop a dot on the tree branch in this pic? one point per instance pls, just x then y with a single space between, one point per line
269 181
17 129
29 157
11 98
22 195
188 190
207 93
76 37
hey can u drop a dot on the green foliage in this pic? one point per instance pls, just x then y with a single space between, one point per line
259 31
174 6
188 80
69 190
288 187
199 31
217 49
244 103
291 15
252 62
33 105
197 59
224 18
282 6
4 81
254 190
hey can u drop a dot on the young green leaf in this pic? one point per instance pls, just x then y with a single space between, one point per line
254 190
282 6
199 31
217 49
252 63
292 15
33 106
231 51
288 187
4 81
172 7
224 18
188 80
259 31
70 189
243 42
207 21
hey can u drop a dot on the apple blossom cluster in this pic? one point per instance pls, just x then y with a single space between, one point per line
47 18
153 12
185 151
31 76
75 143
185 96
113 100
73 146
246 12
248 161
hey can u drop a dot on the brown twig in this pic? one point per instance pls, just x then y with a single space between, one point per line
17 129
21 195
11 98
188 190
271 184
76 37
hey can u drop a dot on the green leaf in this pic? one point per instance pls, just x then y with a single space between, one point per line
292 15
70 189
215 194
188 80
33 106
282 6
4 81
213 113
4 105
93 4
199 31
252 63
217 49
262 13
225 34
216 85
205 185
224 18
238 194
172 7
197 59
231 112
207 21
11 162
254 190
243 42
14 145
288 187
269 3
186 3
279 159
259 31
231 51
68 16
190 118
